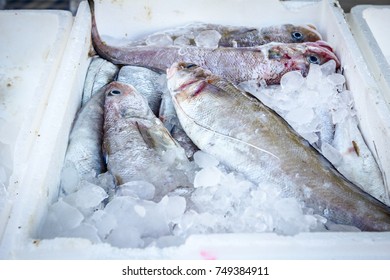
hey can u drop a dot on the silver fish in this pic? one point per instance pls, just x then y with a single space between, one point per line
235 36
247 136
171 122
145 81
100 72
85 140
265 63
136 144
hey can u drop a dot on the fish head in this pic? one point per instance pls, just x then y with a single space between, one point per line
289 33
299 57
186 79
124 101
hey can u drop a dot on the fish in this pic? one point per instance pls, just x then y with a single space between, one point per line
250 138
84 154
100 72
267 63
357 162
136 144
146 82
235 36
170 120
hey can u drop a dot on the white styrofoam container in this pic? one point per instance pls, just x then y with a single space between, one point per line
29 64
136 18
369 25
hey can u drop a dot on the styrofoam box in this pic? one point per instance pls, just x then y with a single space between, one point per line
132 19
370 24
28 68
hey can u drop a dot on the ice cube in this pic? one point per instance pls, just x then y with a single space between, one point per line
182 41
291 81
61 217
204 160
86 231
336 79
69 179
140 189
104 223
125 237
207 177
328 68
332 154
174 207
161 40
208 39
140 210
300 115
88 196
314 76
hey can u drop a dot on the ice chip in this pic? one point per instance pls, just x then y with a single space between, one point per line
140 189
291 81
104 223
61 217
314 76
69 179
125 237
332 154
161 40
88 196
3 176
208 39
204 160
182 41
140 210
207 177
300 115
86 231
336 79
328 68
175 207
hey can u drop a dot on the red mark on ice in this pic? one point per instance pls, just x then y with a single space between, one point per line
207 255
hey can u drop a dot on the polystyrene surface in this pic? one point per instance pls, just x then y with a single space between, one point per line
39 183
136 18
28 65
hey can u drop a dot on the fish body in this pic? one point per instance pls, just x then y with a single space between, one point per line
145 81
85 140
236 36
264 63
100 72
136 144
248 137
170 120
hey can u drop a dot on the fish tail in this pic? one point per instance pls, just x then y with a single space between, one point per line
103 50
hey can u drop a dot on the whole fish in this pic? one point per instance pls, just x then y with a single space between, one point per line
233 36
84 152
136 144
169 118
247 136
265 63
145 81
100 72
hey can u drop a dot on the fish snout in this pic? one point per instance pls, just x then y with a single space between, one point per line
320 52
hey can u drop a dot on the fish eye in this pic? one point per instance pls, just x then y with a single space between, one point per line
313 59
296 35
115 92
189 66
